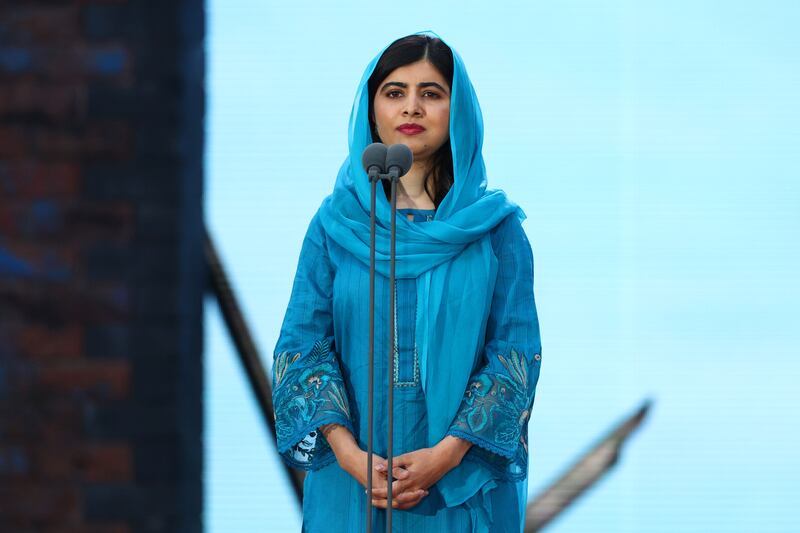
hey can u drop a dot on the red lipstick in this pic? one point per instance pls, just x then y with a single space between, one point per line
410 129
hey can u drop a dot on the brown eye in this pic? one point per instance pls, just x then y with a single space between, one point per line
394 94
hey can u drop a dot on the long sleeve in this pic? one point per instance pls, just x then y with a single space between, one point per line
308 389
497 404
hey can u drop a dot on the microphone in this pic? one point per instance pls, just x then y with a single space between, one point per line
398 160
373 159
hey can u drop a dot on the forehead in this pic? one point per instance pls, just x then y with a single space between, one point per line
413 73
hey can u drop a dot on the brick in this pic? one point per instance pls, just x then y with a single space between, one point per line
41 23
107 463
57 222
101 220
115 261
53 304
91 528
153 504
30 220
14 142
142 181
32 179
70 460
121 420
33 260
108 340
108 20
154 337
104 379
40 343
14 461
17 376
34 100
73 62
110 139
42 504
31 416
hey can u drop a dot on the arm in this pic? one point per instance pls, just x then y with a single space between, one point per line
491 424
309 390
497 404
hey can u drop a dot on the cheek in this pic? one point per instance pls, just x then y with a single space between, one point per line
443 119
383 113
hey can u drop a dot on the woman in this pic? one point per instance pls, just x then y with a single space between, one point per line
467 349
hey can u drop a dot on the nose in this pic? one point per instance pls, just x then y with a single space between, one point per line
413 106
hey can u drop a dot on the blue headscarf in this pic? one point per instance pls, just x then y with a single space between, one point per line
451 257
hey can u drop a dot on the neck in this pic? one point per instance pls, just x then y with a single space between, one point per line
411 191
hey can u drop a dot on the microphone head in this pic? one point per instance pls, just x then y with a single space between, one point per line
374 155
400 157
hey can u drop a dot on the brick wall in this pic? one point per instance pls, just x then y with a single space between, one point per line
101 267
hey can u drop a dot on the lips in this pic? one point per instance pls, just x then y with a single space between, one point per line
410 129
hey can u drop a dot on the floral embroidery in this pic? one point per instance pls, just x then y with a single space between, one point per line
309 392
494 414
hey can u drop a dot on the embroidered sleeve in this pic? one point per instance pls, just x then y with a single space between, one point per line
497 404
308 387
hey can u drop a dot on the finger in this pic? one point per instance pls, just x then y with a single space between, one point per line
377 483
380 473
396 504
405 485
406 506
411 496
383 492
379 503
380 492
401 460
399 472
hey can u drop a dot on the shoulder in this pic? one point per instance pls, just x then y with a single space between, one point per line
315 231
509 233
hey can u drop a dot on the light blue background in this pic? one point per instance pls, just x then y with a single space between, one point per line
655 149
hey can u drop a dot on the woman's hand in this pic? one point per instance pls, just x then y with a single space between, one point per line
400 500
415 472
353 460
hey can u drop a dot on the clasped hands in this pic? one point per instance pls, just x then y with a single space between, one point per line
414 472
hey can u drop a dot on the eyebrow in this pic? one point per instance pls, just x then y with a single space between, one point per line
421 85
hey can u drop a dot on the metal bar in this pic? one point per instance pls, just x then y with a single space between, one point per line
371 392
584 473
246 349
390 399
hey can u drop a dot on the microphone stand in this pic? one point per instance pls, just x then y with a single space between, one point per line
393 176
374 177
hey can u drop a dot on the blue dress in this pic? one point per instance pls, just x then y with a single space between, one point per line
320 377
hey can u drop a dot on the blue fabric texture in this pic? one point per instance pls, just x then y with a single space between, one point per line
467 350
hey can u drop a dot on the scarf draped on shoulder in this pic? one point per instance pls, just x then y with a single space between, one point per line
450 256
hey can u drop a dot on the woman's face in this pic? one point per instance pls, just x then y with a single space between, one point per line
412 106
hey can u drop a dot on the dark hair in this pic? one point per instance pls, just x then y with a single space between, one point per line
405 51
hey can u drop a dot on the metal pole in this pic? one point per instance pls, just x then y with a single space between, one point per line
371 389
390 381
